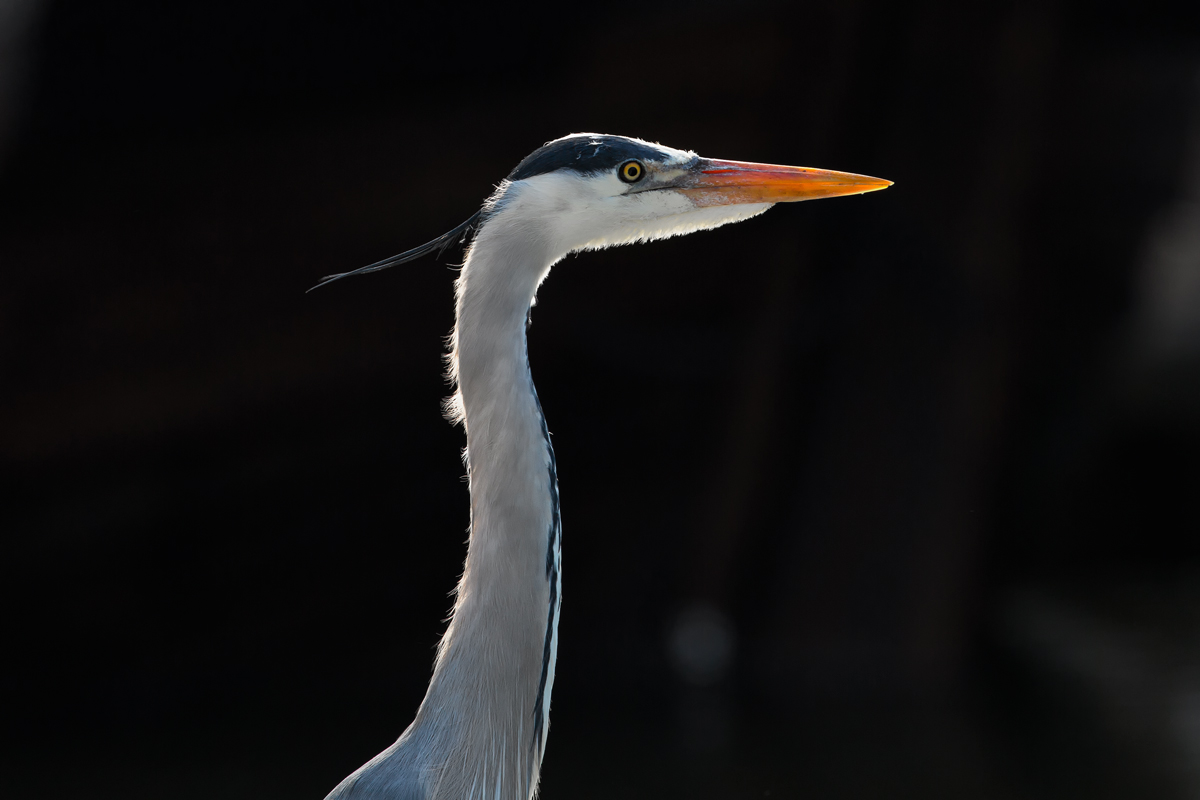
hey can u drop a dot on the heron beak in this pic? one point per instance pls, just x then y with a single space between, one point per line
722 183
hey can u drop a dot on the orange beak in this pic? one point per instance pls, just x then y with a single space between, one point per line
723 183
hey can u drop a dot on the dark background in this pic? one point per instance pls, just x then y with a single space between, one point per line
885 496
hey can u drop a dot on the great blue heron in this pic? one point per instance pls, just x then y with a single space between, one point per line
481 730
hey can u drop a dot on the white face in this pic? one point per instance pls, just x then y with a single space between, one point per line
589 212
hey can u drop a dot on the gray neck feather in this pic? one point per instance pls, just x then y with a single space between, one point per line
480 731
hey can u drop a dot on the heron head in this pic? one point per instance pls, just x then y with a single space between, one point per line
587 191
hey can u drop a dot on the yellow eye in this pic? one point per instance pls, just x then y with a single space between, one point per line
631 172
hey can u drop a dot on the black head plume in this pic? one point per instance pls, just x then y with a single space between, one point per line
438 245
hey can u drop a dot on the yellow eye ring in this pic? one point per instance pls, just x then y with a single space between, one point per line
631 172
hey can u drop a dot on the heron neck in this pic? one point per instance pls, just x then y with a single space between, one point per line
495 666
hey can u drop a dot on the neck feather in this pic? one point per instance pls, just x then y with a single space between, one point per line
488 702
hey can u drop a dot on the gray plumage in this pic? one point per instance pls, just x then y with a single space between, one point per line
481 730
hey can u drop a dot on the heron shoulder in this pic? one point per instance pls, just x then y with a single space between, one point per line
394 774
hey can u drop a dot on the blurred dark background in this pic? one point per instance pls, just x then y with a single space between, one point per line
886 496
